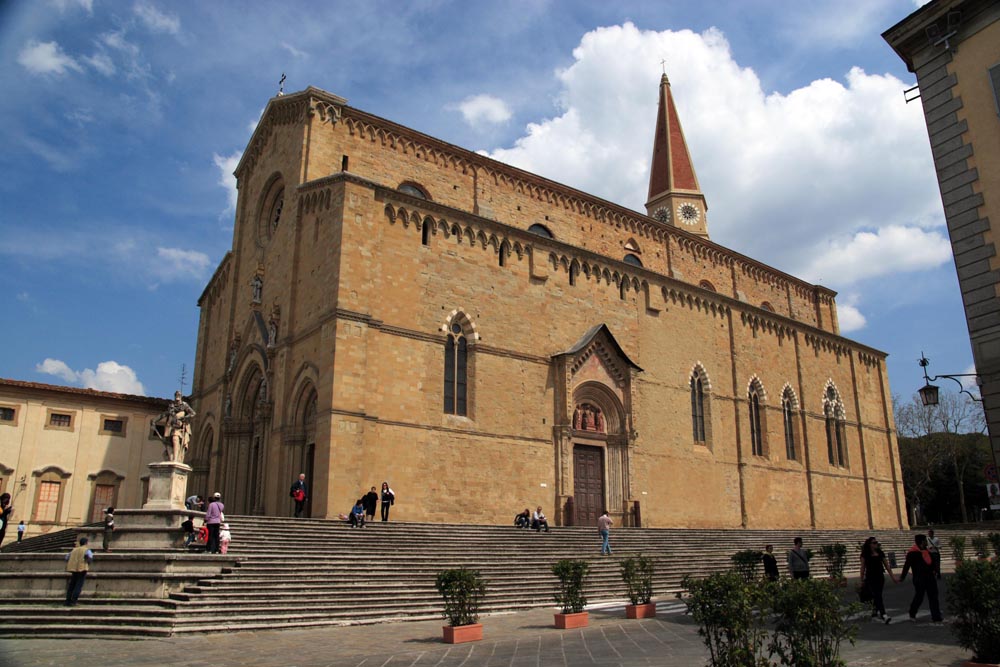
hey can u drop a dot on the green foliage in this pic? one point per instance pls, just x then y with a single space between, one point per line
463 591
974 605
981 545
939 469
836 559
728 610
957 547
572 574
637 573
994 539
810 623
745 562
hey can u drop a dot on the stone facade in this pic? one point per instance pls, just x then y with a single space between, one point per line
952 47
386 314
67 453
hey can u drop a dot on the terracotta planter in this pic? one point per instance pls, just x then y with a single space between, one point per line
570 621
458 634
647 610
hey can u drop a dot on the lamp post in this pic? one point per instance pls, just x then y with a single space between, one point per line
929 392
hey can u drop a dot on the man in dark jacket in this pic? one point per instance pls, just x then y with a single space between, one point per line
371 502
919 560
299 493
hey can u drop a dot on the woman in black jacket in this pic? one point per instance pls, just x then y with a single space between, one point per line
388 499
873 565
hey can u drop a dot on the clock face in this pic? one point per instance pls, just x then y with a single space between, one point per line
662 214
688 214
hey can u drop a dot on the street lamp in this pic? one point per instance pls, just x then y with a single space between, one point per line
929 392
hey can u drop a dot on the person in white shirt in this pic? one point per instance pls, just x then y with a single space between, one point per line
538 520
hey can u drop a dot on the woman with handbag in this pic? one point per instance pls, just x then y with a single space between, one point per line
873 566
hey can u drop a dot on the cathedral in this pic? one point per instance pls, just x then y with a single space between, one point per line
396 308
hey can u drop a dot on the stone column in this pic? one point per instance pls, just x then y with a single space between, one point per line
167 485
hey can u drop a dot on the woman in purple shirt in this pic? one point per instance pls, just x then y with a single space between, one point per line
213 519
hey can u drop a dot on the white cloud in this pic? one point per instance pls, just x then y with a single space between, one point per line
848 316
101 62
892 249
227 165
294 51
178 264
829 180
46 58
63 5
156 20
109 376
479 109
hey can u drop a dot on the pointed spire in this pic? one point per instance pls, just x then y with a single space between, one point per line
672 179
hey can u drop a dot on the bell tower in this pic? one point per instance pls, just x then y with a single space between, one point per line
674 195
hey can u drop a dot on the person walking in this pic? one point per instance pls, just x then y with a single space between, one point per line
934 548
6 510
873 566
109 527
770 564
919 561
77 563
20 531
371 502
798 560
604 524
388 500
300 494
213 520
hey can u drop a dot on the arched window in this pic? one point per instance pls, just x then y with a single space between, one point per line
104 493
788 418
456 361
756 429
766 305
698 408
836 435
541 230
414 190
704 284
632 259
425 233
272 206
574 271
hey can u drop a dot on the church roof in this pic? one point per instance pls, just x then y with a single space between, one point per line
671 167
591 335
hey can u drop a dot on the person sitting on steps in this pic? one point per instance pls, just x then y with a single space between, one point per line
358 514
538 520
523 519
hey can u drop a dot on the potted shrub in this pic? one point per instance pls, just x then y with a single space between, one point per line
974 606
637 573
810 623
836 560
745 562
570 595
994 539
731 615
463 591
957 548
981 545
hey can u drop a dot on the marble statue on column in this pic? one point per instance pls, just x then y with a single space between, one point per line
176 429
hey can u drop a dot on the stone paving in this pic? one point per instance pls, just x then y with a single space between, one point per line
523 639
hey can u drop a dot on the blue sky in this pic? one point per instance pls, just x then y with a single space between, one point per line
122 121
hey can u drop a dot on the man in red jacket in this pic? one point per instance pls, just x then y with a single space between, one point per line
918 559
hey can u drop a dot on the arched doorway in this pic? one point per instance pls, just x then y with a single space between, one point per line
301 444
600 454
245 444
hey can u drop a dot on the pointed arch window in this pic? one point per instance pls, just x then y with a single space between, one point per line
788 418
456 364
698 408
756 424
632 259
541 230
836 435
704 284
414 190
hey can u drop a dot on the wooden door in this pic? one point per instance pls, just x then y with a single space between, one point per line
588 484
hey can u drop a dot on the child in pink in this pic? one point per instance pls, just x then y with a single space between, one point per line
225 537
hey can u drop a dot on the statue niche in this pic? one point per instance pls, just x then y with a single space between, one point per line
589 417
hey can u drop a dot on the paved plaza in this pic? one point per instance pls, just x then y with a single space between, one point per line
516 640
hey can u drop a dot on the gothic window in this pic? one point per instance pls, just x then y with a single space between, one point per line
277 206
541 230
574 271
271 209
766 305
756 430
412 189
425 233
632 259
836 434
698 408
704 284
456 359
788 417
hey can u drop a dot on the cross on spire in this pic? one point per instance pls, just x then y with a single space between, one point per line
183 378
663 64
281 85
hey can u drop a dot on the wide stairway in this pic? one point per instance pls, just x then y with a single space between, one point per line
310 572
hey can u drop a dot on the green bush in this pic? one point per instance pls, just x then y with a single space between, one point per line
957 547
810 623
974 605
572 574
463 591
745 562
836 559
728 610
981 545
637 573
994 539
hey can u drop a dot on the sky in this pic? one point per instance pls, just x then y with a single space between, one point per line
123 121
